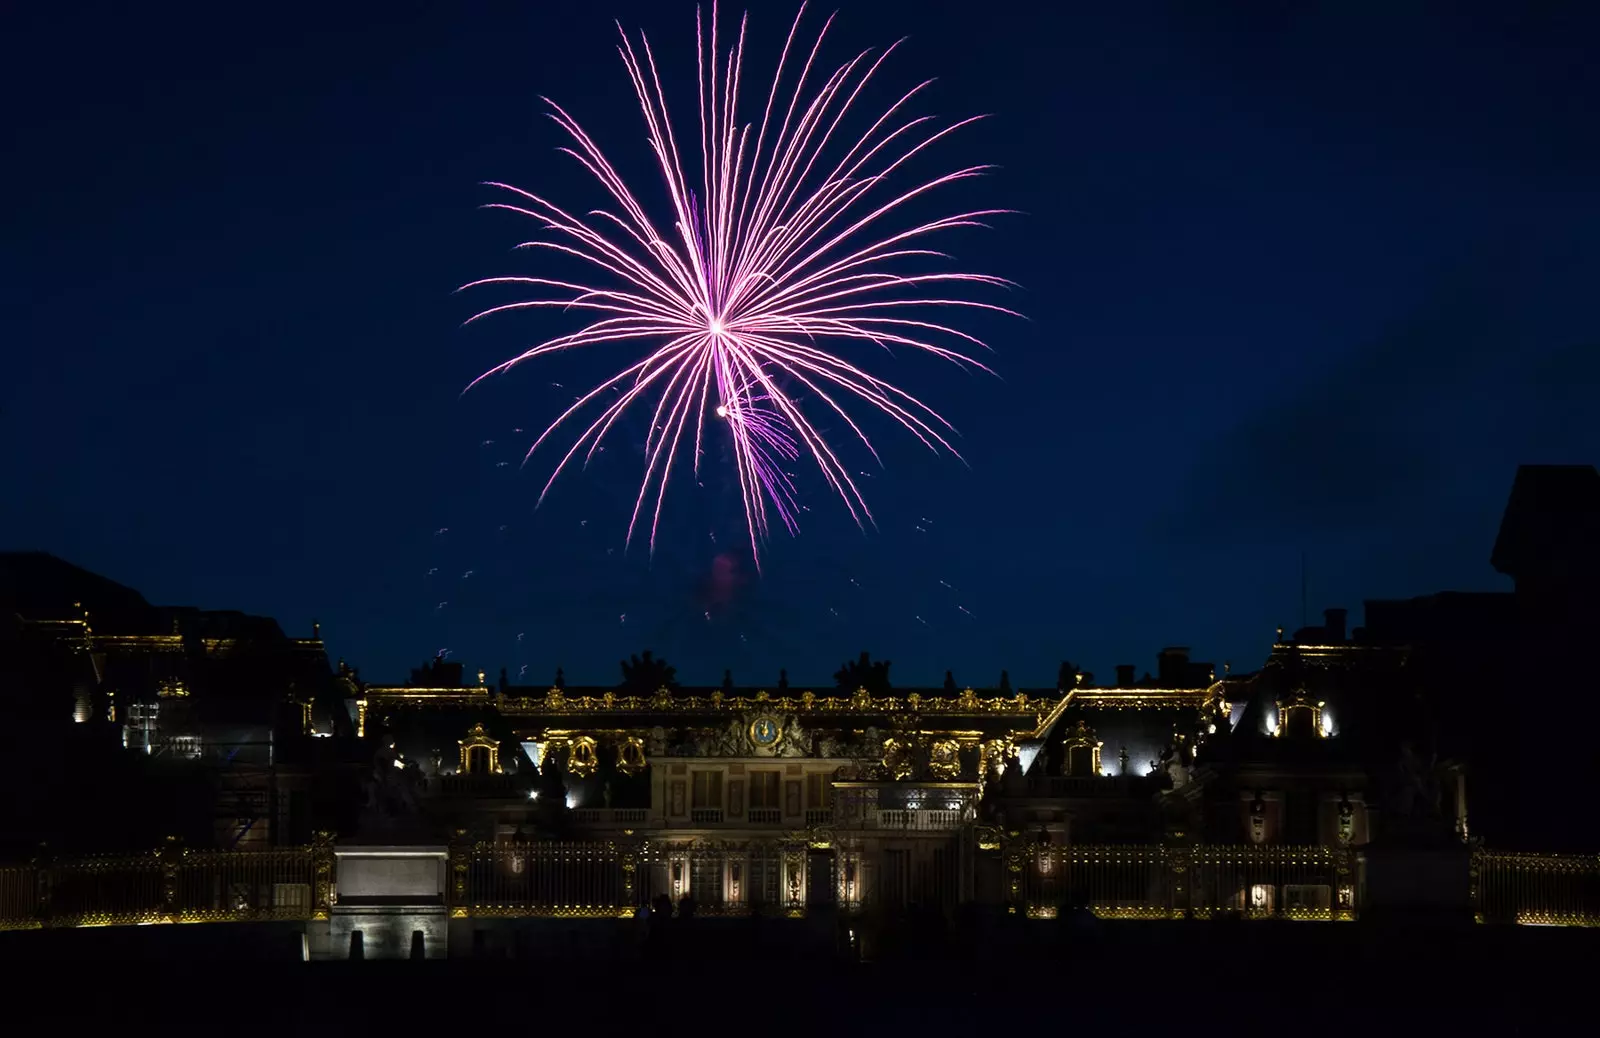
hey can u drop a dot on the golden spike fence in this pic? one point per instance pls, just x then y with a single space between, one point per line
1114 881
1138 881
601 879
1262 881
1536 889
169 885
571 880
19 897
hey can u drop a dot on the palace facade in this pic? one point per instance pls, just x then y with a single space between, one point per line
1289 791
783 799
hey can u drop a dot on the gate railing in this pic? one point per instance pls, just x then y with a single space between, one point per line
609 879
172 884
1144 881
1536 889
570 879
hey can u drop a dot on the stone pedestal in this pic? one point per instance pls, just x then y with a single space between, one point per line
1417 883
388 932
390 896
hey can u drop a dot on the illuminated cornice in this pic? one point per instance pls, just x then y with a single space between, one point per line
1149 698
1351 652
556 703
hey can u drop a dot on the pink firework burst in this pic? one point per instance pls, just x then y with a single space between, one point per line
737 301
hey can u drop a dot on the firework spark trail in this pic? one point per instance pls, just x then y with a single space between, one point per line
767 260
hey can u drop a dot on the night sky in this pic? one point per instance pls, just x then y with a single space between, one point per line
1298 279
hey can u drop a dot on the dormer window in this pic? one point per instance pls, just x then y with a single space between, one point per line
1300 717
480 752
1083 750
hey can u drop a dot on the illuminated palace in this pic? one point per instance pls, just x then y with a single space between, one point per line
785 798
1330 783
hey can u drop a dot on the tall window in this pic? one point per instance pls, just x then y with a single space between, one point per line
819 790
707 789
764 789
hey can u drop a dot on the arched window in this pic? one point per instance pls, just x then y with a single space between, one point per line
1300 716
480 752
1083 751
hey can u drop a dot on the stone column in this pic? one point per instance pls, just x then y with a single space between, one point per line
171 855
323 879
460 862
1016 846
44 875
794 879
631 852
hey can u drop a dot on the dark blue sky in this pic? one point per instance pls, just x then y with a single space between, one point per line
1300 277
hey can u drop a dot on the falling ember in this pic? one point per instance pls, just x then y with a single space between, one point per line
771 252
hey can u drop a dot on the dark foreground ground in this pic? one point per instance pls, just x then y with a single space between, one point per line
1128 978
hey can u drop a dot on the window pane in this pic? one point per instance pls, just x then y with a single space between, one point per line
707 789
764 789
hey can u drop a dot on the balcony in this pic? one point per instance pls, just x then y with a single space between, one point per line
764 816
618 817
705 815
819 816
913 820
925 807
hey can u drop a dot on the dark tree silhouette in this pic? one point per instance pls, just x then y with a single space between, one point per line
1005 681
1067 676
950 682
783 680
561 678
644 674
727 682
864 673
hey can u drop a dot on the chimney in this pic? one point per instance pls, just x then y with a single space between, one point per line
1333 623
1125 675
1172 665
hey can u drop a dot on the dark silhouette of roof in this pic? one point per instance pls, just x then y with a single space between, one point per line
1446 617
36 581
1551 524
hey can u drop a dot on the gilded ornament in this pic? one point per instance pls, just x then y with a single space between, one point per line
630 755
944 759
582 759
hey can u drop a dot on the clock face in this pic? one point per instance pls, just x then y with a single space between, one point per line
764 731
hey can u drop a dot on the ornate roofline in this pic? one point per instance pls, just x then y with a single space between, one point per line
1040 711
563 703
